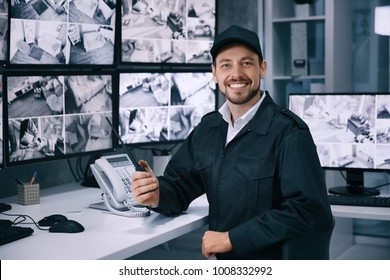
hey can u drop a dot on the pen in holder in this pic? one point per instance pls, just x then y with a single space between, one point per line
28 193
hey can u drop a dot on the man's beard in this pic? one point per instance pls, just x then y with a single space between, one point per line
241 99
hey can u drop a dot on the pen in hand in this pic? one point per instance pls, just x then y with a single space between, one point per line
145 165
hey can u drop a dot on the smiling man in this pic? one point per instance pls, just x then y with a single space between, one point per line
255 161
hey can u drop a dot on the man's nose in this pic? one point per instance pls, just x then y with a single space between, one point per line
236 71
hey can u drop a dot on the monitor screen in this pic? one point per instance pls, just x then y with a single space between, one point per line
62 32
163 107
167 31
351 130
4 31
54 116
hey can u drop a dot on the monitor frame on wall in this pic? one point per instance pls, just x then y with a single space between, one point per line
162 107
56 115
63 33
167 32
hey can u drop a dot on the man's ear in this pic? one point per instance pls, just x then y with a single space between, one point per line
213 71
263 69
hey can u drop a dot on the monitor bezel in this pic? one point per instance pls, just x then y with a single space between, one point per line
28 73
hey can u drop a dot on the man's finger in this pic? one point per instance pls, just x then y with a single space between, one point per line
145 165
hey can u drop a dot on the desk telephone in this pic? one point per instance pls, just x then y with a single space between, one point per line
113 175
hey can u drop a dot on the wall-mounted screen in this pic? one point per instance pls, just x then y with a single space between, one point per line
163 107
4 31
55 116
62 32
167 31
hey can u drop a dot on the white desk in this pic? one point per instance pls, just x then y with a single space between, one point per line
109 236
343 243
360 212
343 239
106 236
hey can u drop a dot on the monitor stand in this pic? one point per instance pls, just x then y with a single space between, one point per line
354 186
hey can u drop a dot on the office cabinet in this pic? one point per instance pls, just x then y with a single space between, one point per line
307 47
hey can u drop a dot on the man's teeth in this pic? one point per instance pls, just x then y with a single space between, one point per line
237 85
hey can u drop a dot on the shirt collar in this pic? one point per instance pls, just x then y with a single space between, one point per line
226 114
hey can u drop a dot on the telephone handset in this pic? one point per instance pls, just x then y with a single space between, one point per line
113 175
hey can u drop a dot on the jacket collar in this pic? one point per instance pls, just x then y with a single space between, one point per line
260 122
263 117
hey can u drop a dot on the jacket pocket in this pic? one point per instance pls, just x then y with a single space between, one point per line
203 162
259 174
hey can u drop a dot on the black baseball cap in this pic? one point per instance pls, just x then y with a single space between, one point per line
236 34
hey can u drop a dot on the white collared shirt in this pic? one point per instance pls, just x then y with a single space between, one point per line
233 129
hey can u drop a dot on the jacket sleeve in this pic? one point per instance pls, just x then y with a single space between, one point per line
180 184
305 208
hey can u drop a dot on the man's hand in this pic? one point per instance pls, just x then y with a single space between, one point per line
215 242
145 186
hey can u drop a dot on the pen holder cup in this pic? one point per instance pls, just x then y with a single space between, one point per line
28 194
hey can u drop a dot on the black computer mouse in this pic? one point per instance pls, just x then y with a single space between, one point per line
68 226
51 220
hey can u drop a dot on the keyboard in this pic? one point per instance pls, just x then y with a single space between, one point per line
12 233
356 200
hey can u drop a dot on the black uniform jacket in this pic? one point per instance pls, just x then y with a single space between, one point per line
265 187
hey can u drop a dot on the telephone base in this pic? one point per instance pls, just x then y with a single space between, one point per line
102 206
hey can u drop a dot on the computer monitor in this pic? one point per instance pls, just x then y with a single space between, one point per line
167 31
161 107
57 115
351 132
62 32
